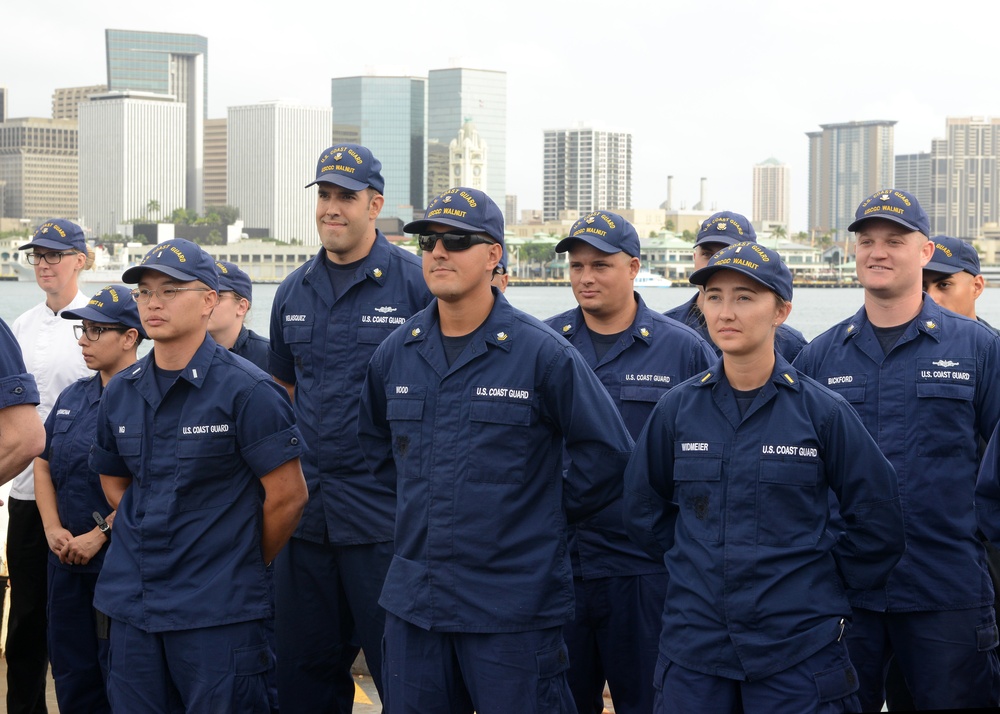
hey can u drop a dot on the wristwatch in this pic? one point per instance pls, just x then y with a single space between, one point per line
102 524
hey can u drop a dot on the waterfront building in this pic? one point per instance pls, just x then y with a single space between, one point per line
457 94
270 156
38 168
66 100
215 162
772 187
388 116
586 170
847 163
133 150
171 64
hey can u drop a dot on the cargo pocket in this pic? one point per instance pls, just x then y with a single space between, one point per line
250 666
553 687
987 637
838 683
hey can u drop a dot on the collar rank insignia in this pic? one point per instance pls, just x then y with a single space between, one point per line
501 336
377 272
930 325
850 329
788 378
567 328
415 331
644 332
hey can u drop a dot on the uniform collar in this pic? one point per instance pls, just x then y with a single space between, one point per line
94 388
374 266
241 339
141 373
783 375
643 328
928 321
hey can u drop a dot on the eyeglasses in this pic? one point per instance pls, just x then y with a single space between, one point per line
451 241
163 293
50 258
93 332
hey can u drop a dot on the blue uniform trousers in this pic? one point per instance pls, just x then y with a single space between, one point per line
615 638
948 658
326 600
823 683
200 671
79 658
461 672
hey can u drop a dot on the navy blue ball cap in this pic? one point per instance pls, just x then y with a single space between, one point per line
111 304
232 278
953 255
893 205
727 228
753 260
467 209
58 234
604 230
180 259
349 166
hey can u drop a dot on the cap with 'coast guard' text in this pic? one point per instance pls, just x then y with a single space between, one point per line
467 209
953 255
180 259
893 205
753 260
233 279
112 304
58 234
349 166
604 230
726 227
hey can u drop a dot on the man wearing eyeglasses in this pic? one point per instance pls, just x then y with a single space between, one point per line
199 453
465 412
326 320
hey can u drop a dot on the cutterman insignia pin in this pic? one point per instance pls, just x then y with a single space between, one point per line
377 272
415 331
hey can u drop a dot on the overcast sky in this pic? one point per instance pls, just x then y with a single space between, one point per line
706 88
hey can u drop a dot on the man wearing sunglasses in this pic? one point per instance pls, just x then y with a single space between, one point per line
465 413
326 320
199 453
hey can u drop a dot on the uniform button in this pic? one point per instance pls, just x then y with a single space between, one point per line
294 441
18 390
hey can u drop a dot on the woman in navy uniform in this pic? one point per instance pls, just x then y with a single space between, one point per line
227 324
730 480
68 493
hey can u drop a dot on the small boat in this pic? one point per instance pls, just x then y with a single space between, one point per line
646 279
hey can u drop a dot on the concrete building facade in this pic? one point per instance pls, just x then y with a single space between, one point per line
66 100
965 177
772 193
215 162
39 169
586 170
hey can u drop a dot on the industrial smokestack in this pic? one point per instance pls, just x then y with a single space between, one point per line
702 203
670 193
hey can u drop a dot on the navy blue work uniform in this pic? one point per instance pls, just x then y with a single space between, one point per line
329 576
738 507
787 340
17 385
619 587
481 574
77 654
184 578
249 345
927 403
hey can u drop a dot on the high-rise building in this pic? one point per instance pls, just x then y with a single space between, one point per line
467 158
3 104
172 64
132 152
913 175
510 210
847 163
586 170
389 115
271 155
438 171
39 168
772 188
458 94
215 162
65 100
965 177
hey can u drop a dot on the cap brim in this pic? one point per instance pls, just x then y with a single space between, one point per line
701 277
721 240
342 181
47 243
943 268
416 227
853 228
566 243
133 274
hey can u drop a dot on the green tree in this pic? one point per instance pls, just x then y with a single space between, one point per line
226 215
152 207
688 236
670 225
779 233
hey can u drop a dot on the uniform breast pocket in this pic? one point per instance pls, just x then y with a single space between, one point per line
498 429
206 477
298 337
405 416
791 506
128 441
943 408
698 494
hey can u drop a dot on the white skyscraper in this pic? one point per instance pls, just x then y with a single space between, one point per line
270 157
586 170
771 193
132 151
467 158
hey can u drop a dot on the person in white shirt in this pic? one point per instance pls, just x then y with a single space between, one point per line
58 251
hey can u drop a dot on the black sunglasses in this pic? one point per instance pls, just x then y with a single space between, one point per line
451 241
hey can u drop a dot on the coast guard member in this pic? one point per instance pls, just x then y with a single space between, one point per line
465 414
226 325
953 276
730 483
68 493
326 320
925 382
22 436
638 354
198 452
718 231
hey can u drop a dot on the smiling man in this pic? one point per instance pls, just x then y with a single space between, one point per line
925 382
465 414
326 320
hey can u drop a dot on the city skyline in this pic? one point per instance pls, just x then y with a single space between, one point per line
704 90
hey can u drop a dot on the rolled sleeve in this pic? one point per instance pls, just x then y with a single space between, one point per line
18 389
